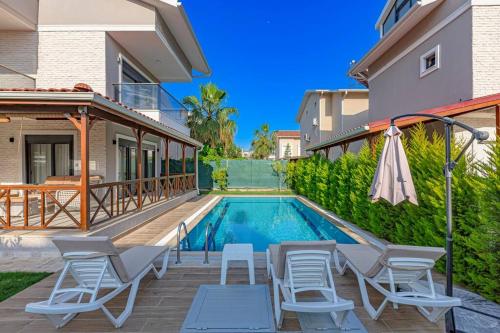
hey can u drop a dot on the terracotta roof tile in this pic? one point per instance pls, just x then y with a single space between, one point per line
295 134
83 87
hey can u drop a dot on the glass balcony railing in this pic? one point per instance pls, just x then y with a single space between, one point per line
146 97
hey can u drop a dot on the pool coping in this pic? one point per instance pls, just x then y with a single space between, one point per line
350 229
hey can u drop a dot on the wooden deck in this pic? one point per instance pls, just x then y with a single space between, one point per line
152 232
162 305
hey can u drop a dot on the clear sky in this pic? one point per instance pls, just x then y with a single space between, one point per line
265 54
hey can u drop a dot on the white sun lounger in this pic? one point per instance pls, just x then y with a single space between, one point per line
95 264
297 267
397 265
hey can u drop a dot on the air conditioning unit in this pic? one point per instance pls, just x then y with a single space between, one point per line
315 122
307 137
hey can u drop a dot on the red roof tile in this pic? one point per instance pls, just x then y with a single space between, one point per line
294 134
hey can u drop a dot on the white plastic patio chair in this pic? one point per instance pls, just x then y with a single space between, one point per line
397 265
95 264
297 267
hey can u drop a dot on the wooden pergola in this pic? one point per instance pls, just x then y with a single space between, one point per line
83 108
371 130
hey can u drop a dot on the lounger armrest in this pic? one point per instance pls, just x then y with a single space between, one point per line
410 264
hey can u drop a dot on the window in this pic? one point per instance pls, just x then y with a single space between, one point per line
397 12
429 61
48 155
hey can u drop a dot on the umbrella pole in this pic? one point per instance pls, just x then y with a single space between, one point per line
448 170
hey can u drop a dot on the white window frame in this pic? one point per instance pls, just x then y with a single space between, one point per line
436 50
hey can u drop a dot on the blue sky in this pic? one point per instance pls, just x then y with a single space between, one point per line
265 54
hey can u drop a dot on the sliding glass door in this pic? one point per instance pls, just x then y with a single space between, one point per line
48 155
127 160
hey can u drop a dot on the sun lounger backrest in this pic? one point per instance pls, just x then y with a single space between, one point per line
327 245
405 251
98 245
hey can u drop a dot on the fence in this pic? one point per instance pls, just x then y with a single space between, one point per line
252 174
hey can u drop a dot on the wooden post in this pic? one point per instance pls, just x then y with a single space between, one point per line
84 178
184 159
195 160
167 168
371 141
497 118
139 135
184 167
327 152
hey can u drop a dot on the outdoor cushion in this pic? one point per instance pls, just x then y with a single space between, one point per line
363 257
100 245
368 261
136 259
278 252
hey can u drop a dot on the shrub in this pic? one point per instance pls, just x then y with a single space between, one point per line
219 175
343 186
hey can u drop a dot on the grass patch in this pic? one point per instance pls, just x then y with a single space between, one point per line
250 192
13 282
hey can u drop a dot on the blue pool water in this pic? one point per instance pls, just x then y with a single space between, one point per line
264 221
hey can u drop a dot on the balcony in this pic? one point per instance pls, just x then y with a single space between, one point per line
154 101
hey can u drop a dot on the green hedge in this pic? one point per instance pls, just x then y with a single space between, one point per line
342 186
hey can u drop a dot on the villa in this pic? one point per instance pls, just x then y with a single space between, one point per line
325 113
86 128
287 144
419 65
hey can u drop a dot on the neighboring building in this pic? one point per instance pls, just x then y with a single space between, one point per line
325 113
246 153
118 48
287 144
431 53
433 56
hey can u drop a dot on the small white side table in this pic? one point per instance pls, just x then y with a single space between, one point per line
237 252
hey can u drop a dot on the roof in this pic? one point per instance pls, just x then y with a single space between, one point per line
288 133
178 23
310 92
375 127
419 11
82 94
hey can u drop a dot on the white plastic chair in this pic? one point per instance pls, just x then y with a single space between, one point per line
95 264
397 265
306 270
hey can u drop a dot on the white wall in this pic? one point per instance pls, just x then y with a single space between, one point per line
70 57
13 168
486 50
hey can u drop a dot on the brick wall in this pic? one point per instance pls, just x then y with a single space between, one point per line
69 57
12 168
486 50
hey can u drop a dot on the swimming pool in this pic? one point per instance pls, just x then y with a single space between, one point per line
263 221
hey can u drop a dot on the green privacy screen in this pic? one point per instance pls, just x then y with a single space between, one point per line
242 174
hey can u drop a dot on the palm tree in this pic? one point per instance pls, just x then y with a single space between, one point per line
263 143
209 120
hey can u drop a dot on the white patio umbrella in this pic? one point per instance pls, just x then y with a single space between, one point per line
393 182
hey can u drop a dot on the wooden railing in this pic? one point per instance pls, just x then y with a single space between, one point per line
58 206
118 198
39 206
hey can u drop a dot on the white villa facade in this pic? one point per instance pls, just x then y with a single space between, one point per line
118 52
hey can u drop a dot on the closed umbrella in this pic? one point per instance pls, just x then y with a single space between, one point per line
392 179
393 182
